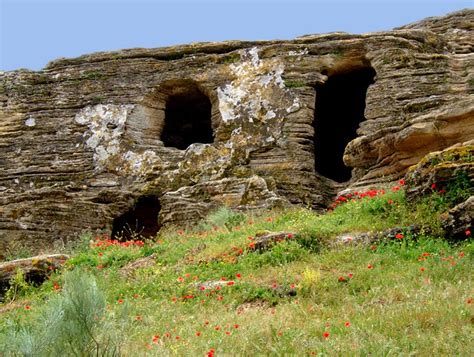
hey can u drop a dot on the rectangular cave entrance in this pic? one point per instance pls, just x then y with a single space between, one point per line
139 221
187 117
339 109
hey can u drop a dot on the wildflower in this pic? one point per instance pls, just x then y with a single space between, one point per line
292 286
373 247
401 182
422 269
202 288
341 279
198 333
350 275
100 267
180 279
461 254
187 275
395 188
167 334
347 324
399 236
211 353
27 307
274 285
426 254
155 338
290 235
177 338
370 266
206 322
223 278
467 232
433 186
56 286
326 334
136 296
174 299
236 326
120 301
469 301
138 318
227 333
238 275
230 283
269 219
217 328
252 245
100 254
220 298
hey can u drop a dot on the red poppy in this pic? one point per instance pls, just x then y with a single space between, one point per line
155 338
27 307
230 283
422 269
433 186
326 334
138 318
180 279
120 301
198 333
469 301
217 328
292 286
220 298
401 182
236 326
238 275
252 245
290 235
206 322
227 333
56 286
211 353
399 236
370 266
467 232
347 324
350 275
341 279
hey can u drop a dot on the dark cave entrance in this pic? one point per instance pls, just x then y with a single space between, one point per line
187 118
339 109
140 220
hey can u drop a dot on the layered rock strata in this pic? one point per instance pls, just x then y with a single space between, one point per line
83 139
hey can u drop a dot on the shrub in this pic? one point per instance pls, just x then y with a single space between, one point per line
72 323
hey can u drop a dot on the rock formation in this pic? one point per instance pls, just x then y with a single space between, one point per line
136 139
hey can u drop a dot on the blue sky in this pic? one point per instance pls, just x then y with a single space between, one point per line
33 32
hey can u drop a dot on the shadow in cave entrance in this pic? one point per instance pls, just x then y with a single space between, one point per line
140 221
187 117
339 109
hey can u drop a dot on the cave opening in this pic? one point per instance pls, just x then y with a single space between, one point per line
339 109
140 221
187 118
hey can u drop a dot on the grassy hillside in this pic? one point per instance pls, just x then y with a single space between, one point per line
210 291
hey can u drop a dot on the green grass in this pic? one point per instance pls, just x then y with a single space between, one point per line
408 296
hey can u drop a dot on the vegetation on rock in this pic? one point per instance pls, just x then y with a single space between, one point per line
210 291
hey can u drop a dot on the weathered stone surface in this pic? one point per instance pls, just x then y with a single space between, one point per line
81 140
449 169
266 241
35 269
458 221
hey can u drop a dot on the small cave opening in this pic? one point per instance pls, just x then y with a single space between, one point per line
140 221
187 118
339 109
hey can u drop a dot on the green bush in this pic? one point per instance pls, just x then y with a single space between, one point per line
73 323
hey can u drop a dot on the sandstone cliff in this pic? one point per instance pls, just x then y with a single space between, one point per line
164 135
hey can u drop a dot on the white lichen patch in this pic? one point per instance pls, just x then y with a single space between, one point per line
257 85
30 122
106 123
298 54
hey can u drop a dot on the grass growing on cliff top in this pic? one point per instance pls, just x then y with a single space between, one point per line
303 296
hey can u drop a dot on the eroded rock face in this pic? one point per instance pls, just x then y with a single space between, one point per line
81 140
